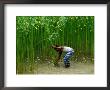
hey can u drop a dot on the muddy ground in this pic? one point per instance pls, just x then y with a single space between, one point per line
75 68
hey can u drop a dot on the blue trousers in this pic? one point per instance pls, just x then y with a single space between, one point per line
67 57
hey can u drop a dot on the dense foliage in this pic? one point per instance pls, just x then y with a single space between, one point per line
36 34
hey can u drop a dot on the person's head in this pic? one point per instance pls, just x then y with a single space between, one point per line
54 46
57 48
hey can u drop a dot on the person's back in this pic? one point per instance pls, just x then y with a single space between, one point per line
67 49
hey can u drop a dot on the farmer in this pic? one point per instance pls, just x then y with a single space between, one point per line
69 52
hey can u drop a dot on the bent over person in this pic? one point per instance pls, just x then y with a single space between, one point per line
69 52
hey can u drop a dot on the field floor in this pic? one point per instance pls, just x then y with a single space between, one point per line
75 68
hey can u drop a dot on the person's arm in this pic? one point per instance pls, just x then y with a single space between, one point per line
59 55
59 51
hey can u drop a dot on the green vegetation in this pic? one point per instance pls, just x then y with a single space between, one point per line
36 34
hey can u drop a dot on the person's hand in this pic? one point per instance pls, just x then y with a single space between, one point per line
52 46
